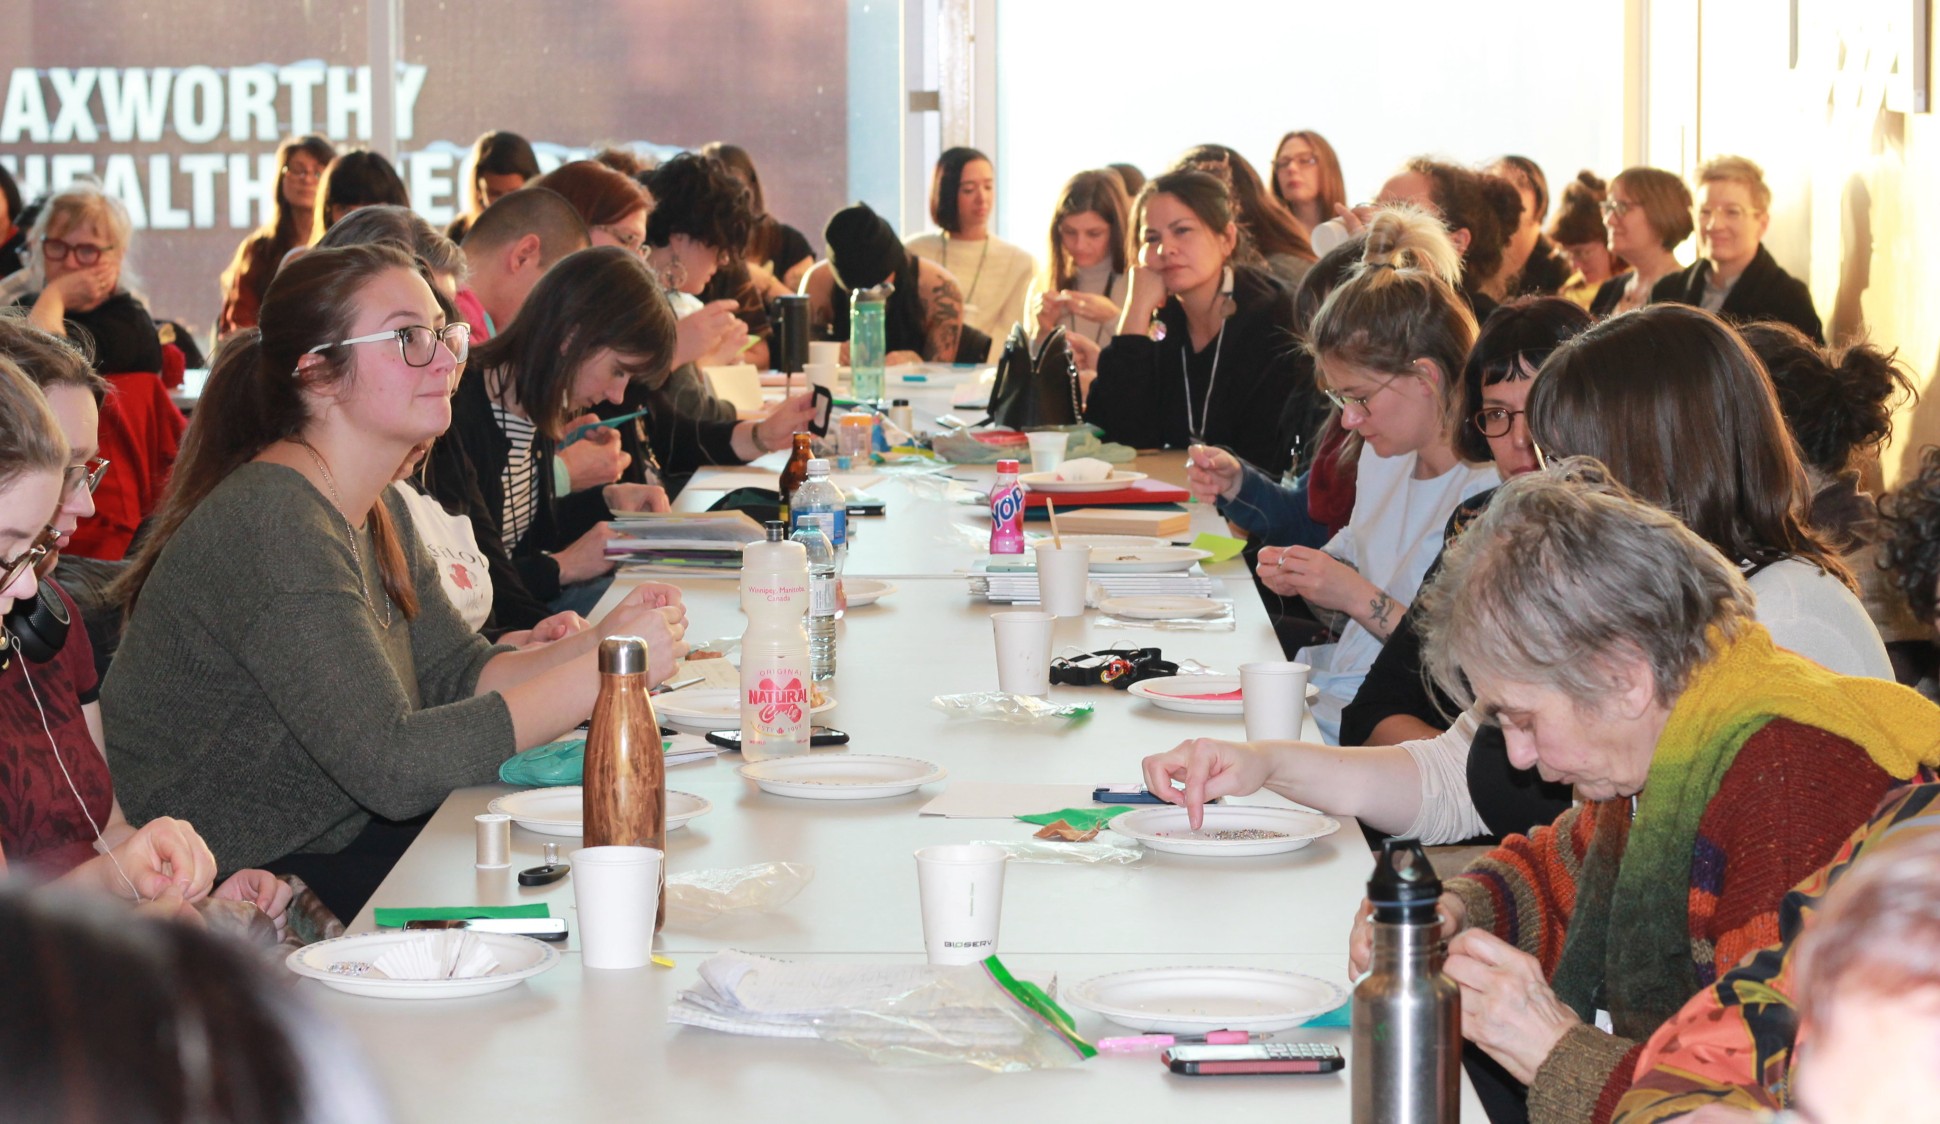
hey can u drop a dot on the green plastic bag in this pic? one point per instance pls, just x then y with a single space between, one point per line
562 762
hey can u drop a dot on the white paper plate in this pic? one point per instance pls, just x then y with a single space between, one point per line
841 776
1108 542
710 708
519 958
1049 482
1161 607
1146 559
1175 692
1166 829
865 591
1187 1000
558 811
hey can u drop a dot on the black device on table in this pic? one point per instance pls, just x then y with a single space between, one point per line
1259 1057
1124 794
817 736
818 423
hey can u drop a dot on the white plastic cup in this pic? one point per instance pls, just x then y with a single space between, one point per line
617 890
824 353
1062 575
1047 450
820 374
961 887
1274 695
1023 652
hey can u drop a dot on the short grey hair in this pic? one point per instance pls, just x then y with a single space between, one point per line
1566 571
402 227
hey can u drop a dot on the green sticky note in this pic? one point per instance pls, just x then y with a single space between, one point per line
1336 1017
394 918
1084 819
1223 548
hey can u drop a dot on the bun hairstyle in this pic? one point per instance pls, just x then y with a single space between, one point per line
1836 402
1579 214
1488 207
254 398
1399 305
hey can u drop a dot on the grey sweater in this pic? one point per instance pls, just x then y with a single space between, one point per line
256 696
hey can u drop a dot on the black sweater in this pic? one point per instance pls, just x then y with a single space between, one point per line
1764 291
1140 397
466 473
122 333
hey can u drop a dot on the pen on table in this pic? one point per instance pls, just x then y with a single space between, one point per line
676 685
1133 1044
608 423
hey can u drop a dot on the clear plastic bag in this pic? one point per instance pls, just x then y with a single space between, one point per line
977 1015
1001 706
1106 850
700 897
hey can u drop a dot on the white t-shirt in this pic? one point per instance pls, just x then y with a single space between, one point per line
993 274
453 547
1807 611
1392 537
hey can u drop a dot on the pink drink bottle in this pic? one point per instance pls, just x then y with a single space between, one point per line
1007 511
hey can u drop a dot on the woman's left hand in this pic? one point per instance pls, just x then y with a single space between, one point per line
635 497
1324 580
263 890
1508 1008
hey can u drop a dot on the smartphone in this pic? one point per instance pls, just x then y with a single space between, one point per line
1260 1057
818 424
817 736
1123 794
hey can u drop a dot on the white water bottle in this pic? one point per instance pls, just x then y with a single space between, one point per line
775 679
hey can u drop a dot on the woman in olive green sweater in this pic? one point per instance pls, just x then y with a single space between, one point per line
293 679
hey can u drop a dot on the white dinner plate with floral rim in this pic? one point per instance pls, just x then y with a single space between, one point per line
865 591
1199 694
1227 831
842 776
1146 559
519 958
1190 1000
560 810
1048 482
1161 607
715 708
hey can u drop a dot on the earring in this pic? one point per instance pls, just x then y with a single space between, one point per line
1230 306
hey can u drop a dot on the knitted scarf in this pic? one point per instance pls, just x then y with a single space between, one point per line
1629 941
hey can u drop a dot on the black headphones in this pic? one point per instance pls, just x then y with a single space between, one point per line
36 627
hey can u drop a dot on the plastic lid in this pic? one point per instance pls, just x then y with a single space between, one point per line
818 467
1405 887
1006 466
623 655
899 402
777 530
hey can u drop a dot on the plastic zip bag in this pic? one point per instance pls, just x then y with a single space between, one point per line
701 897
978 1015
1001 706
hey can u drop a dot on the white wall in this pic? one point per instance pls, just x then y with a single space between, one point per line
1084 83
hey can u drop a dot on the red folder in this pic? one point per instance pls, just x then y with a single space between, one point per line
1147 491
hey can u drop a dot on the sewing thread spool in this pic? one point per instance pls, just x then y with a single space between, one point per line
494 841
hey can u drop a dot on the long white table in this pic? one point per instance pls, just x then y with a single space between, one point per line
580 1044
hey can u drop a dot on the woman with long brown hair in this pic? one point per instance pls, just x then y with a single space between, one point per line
1269 234
1307 178
300 162
1087 266
292 678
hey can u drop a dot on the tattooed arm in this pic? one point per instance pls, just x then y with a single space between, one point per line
942 312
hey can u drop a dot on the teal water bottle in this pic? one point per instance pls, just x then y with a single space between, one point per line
866 346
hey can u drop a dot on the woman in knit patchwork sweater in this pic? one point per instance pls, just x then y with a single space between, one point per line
1618 653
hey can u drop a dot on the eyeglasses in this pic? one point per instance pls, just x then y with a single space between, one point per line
28 558
1730 212
1496 421
87 475
1301 160
1343 401
85 253
1615 208
296 173
627 238
416 343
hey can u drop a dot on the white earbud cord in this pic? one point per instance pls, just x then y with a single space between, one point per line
71 786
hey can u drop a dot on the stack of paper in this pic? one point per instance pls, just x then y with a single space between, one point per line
684 534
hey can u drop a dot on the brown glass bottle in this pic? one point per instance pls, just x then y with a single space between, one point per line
796 470
624 800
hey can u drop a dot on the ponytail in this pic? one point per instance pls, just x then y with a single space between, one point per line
1836 402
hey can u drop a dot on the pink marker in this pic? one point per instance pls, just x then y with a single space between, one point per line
1138 1043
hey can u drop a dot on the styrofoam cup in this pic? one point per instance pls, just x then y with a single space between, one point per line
1062 574
617 891
1023 652
825 352
1274 695
961 888
1047 450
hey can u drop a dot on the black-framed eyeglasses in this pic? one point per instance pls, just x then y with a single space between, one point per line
87 474
27 559
1496 421
1615 208
85 253
416 343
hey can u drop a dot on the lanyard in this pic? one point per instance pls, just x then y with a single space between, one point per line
1194 432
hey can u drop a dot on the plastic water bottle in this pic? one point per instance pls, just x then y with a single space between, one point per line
1007 511
775 676
821 597
866 344
1407 1013
817 500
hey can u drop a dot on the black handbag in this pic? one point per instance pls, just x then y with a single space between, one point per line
1035 391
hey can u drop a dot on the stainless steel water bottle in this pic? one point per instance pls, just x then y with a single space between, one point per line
1407 1015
